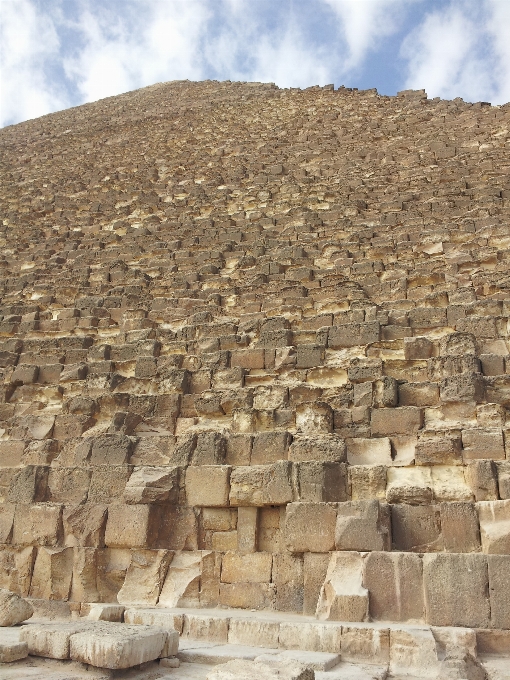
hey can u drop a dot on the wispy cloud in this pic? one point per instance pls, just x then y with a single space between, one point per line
58 53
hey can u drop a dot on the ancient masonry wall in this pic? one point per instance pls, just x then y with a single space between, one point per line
254 352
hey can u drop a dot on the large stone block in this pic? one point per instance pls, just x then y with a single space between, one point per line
401 420
375 451
409 485
248 568
52 575
322 448
353 334
183 581
145 577
499 590
37 525
483 443
153 485
248 595
460 528
343 597
131 526
416 528
494 519
84 525
208 485
13 608
260 485
456 590
310 527
363 526
395 584
322 481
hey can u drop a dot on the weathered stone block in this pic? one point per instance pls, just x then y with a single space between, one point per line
208 485
395 585
310 527
343 597
401 420
261 485
363 526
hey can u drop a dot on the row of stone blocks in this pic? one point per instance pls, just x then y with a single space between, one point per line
298 527
444 589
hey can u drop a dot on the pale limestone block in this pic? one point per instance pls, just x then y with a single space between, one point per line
253 632
413 652
261 485
105 612
145 577
12 650
247 529
154 617
13 608
365 644
248 595
208 485
310 527
249 568
314 418
375 451
53 571
449 484
454 641
343 597
204 627
315 637
494 519
261 670
182 584
152 485
84 582
362 526
51 640
409 485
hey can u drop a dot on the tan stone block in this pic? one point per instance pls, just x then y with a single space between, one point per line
288 578
68 485
224 540
253 633
84 525
369 451
367 482
321 482
261 485
395 585
365 644
145 577
208 485
315 567
205 627
314 418
310 527
112 565
499 590
456 590
131 526
6 521
343 597
247 595
460 528
409 485
416 528
401 420
84 581
363 526
37 525
53 571
481 476
13 608
438 449
249 568
483 443
494 517
413 652
153 485
177 527
322 448
181 587
247 529
449 484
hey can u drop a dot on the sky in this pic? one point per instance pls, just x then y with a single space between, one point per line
60 53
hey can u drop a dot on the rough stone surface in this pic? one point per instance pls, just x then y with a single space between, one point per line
13 608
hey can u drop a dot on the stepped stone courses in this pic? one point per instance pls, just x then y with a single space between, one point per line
254 348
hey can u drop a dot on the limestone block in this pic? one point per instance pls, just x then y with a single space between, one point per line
315 567
238 449
6 521
321 481
494 519
208 485
107 483
363 526
314 637
449 484
84 576
105 612
111 449
353 334
369 451
459 527
395 584
362 369
210 449
205 627
269 447
416 528
181 587
12 650
131 526
310 527
314 418
84 525
247 595
254 633
29 485
11 453
152 485
481 476
413 652
68 485
438 448
454 641
262 670
364 644
483 443
464 387
499 590
118 646
409 485
168 620
503 470
52 575
51 640
16 565
287 575
322 448
112 565
367 482
249 568
418 348
13 608
145 577
247 529
177 527
37 525
456 590
401 420
343 597
260 485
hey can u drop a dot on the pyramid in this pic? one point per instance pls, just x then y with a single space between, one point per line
254 348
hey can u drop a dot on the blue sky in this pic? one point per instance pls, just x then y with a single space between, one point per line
60 53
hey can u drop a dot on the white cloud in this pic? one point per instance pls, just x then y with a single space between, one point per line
29 44
498 28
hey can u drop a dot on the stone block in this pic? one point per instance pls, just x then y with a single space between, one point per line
205 627
315 567
103 612
314 418
364 644
395 583
413 652
418 394
310 527
375 451
11 453
481 476
416 528
313 637
449 483
131 526
321 482
149 484
29 485
68 485
84 576
111 449
145 577
16 565
269 447
499 590
417 348
401 420
494 517
13 608
170 621
437 448
261 485
6 521
483 443
456 590
247 595
353 334
343 597
325 448
266 669
409 485
287 575
181 587
51 640
37 525
460 528
108 483
210 449
52 575
465 387
208 485
254 633
367 482
84 525
238 449
246 568
363 526
247 529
